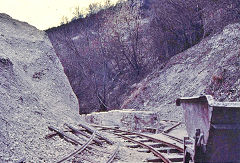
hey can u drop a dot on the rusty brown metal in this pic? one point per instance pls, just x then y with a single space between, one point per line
155 152
173 138
131 135
144 136
218 124
167 130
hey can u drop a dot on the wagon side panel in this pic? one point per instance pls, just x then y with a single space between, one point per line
197 116
224 136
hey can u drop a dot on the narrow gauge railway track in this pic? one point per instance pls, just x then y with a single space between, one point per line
164 151
173 138
90 142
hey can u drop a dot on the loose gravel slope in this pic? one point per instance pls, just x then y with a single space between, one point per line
210 67
34 93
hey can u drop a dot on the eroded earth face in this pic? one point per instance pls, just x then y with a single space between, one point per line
34 93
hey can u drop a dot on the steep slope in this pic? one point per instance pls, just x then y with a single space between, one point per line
34 93
211 67
126 42
122 44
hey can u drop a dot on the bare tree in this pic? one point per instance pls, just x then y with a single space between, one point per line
126 29
64 20
77 13
107 52
94 8
175 28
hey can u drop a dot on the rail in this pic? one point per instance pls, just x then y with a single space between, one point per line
90 141
160 153
84 146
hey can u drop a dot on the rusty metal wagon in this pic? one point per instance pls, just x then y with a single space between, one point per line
213 129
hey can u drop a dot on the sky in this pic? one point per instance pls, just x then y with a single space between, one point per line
43 14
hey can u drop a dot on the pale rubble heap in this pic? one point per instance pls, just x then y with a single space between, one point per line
34 94
127 119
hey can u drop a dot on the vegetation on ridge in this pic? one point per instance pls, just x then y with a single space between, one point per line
107 52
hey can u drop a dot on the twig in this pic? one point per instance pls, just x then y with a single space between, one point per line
102 102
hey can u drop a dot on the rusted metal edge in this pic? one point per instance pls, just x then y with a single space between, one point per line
209 99
172 127
156 153
113 155
173 138
163 142
84 146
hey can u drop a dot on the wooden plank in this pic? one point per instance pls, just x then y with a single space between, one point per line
133 146
176 159
172 127
173 159
89 129
145 140
50 135
83 133
168 150
154 159
62 134
133 136
144 150
155 145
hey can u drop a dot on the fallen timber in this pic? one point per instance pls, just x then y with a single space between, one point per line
74 130
63 135
69 138
172 127
97 133
88 146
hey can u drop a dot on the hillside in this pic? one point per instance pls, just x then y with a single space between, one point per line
210 67
138 56
34 94
126 42
123 44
